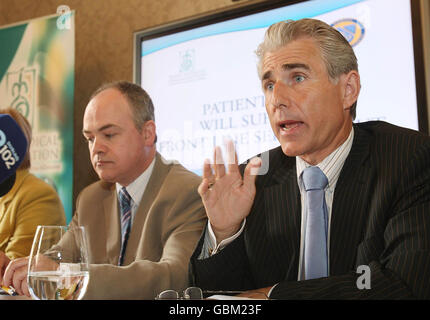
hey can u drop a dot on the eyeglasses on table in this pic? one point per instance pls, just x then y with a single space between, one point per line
195 293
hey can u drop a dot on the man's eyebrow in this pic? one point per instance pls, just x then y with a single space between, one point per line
290 66
107 126
266 75
287 66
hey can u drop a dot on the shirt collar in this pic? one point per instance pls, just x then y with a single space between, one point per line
331 165
138 186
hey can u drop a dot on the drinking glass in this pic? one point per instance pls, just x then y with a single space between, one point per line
58 263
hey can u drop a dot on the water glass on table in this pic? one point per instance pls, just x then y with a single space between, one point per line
58 263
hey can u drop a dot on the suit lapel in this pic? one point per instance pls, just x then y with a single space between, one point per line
152 189
282 205
351 205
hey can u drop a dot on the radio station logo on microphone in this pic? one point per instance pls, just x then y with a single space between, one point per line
351 29
7 152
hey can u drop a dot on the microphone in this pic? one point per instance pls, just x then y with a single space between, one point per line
13 147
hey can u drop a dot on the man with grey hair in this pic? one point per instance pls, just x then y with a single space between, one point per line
144 217
344 209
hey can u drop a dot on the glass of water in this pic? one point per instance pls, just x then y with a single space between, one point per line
58 263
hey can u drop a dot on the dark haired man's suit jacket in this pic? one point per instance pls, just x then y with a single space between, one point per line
164 233
380 218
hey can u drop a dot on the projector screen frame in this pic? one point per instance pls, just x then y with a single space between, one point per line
420 78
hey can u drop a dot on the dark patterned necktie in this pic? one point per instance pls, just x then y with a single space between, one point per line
125 208
316 260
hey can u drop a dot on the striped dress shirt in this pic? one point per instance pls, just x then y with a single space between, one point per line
136 189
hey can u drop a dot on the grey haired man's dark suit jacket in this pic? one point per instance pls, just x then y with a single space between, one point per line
380 218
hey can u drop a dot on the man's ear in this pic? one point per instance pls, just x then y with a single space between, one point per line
148 131
351 85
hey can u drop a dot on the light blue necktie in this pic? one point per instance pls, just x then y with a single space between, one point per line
125 208
316 260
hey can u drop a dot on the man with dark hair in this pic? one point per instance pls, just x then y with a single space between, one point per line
144 217
339 199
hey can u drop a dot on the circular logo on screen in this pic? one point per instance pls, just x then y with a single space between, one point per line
351 29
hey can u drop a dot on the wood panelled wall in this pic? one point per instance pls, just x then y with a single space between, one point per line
104 46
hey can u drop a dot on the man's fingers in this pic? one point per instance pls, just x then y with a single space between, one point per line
24 288
2 270
4 261
208 179
232 165
19 276
207 170
12 268
218 163
203 187
251 172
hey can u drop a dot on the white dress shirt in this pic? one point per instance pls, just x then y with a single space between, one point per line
331 166
137 188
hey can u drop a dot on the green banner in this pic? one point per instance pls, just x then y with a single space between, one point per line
37 60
